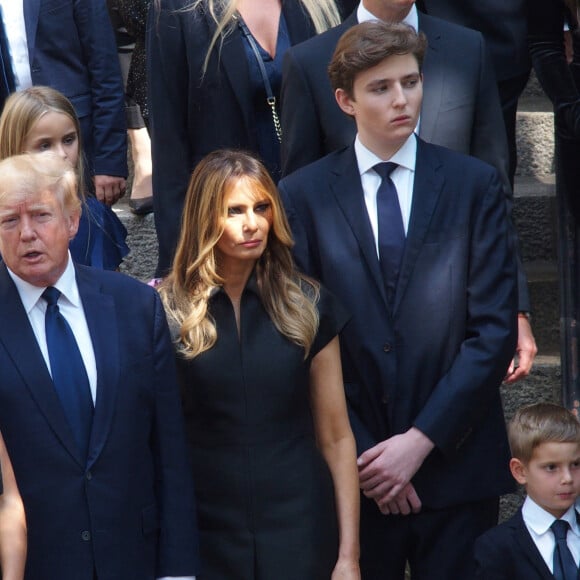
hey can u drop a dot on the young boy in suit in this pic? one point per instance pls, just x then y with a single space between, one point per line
543 539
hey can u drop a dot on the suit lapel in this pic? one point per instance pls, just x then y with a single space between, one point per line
528 547
433 79
427 187
235 65
346 186
31 16
20 343
102 322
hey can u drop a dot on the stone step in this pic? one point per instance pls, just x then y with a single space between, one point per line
535 136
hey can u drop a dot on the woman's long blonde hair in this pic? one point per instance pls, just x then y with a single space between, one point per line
323 13
288 297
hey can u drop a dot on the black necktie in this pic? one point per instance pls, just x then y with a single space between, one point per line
391 234
68 371
564 566
7 84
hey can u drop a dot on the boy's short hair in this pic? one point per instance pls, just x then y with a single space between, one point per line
366 45
540 423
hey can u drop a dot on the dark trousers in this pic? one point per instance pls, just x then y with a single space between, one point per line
436 544
509 93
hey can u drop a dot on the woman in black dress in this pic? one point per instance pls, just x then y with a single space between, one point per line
258 358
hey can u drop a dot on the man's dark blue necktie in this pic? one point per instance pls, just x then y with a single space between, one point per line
7 84
564 566
391 234
69 374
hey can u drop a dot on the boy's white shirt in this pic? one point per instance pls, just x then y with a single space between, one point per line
538 522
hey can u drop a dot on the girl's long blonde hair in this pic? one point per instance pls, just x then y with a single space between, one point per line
23 109
288 297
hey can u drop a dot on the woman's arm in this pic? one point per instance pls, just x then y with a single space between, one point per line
12 523
336 442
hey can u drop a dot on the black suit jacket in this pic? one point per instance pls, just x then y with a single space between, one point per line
507 552
437 362
502 23
460 109
192 114
126 511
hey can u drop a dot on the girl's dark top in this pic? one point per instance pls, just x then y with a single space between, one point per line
264 492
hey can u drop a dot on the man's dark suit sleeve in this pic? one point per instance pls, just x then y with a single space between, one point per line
109 129
461 397
177 555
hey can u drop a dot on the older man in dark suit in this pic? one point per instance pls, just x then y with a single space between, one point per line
69 45
413 238
90 407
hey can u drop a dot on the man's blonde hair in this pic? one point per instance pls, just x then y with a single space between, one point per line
30 174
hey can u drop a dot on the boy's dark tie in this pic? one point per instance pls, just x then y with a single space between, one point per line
391 233
68 371
564 566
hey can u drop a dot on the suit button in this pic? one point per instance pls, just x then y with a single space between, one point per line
385 400
89 475
387 347
86 535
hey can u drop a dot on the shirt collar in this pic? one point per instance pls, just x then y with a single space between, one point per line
412 19
406 156
539 520
66 284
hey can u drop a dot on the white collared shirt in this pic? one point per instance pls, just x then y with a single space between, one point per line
538 522
412 19
15 28
71 307
403 177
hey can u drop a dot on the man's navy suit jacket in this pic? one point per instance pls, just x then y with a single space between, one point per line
128 510
437 361
71 48
507 552
461 108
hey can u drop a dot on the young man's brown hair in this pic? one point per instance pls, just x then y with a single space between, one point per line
366 45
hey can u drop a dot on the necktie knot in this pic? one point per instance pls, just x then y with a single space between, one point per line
51 295
385 168
560 529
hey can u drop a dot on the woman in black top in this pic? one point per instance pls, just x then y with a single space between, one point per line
258 358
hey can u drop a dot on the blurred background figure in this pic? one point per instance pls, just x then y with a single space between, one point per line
129 19
503 25
69 46
40 119
259 365
215 72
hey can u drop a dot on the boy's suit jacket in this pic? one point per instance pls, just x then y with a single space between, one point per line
71 48
507 552
128 510
438 360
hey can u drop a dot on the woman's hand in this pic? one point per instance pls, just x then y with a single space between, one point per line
346 569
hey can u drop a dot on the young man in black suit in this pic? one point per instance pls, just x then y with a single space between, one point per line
545 443
460 110
422 260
